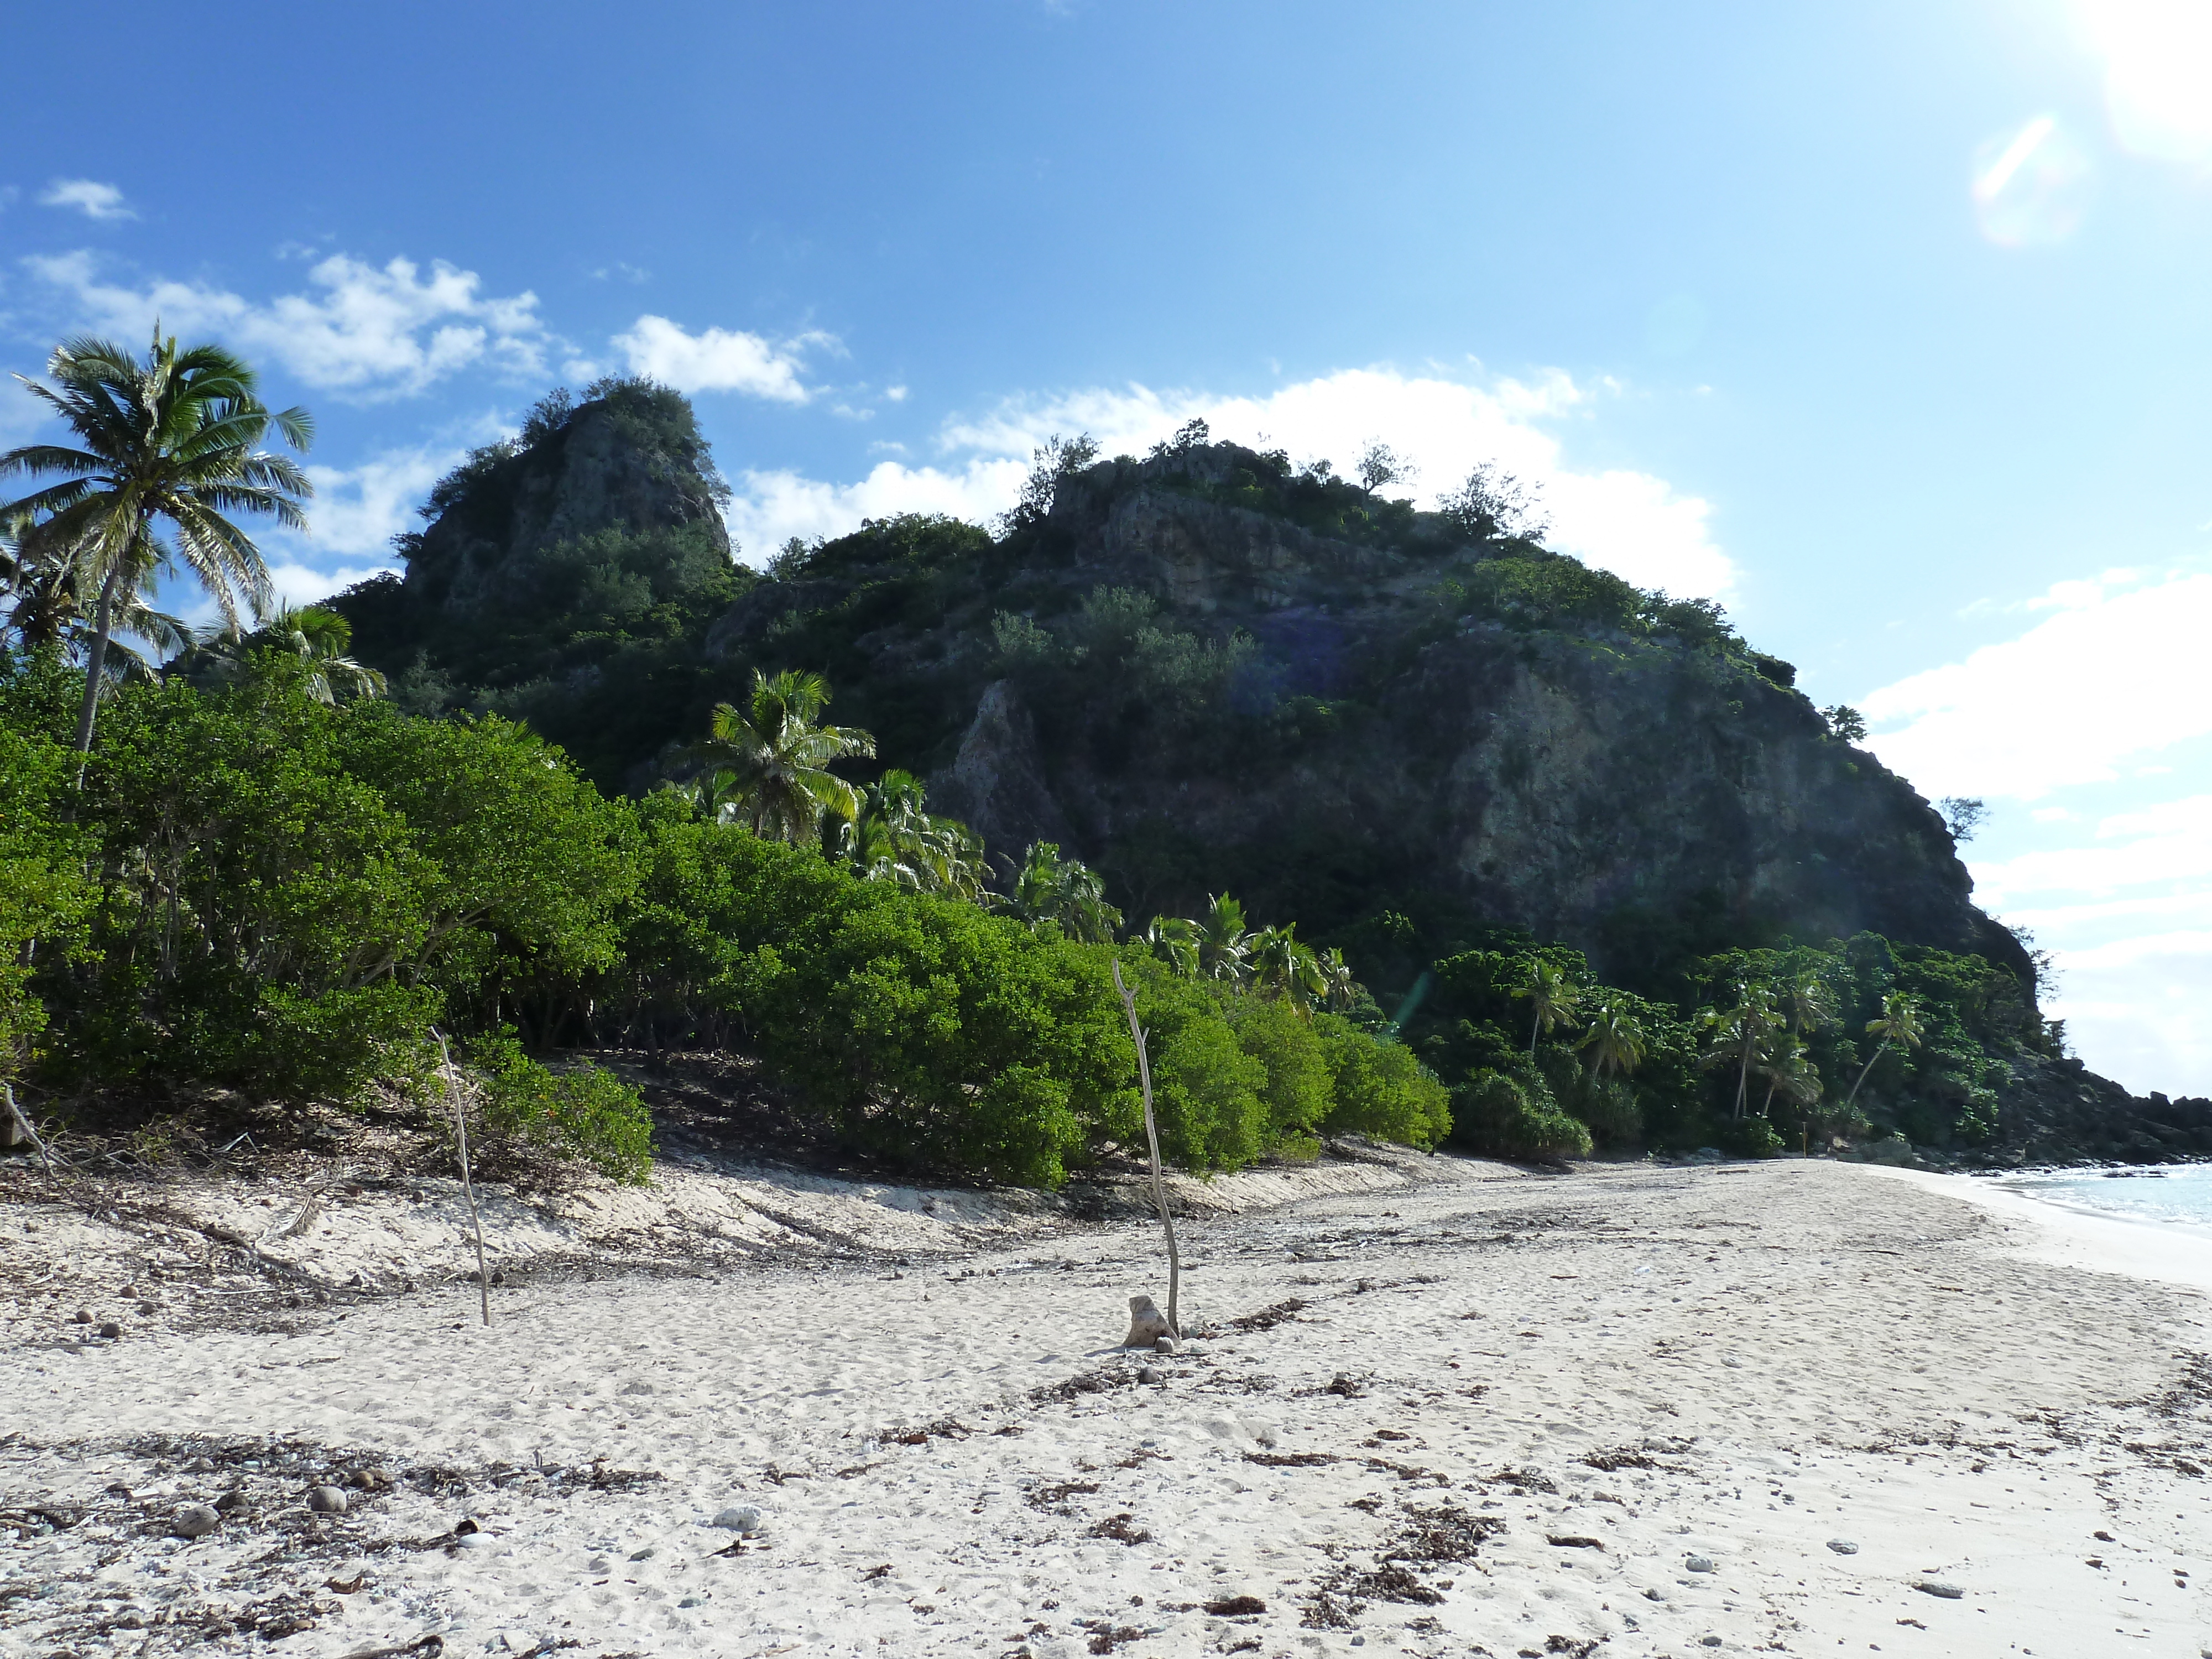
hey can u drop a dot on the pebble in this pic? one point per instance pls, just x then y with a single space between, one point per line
1146 1373
647 1553
1163 1345
194 1521
84 1316
326 1500
1843 1547
1937 1586
739 1517
1709 1641
1700 1564
599 1563
110 1330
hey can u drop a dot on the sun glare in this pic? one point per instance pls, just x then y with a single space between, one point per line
2158 75
2029 186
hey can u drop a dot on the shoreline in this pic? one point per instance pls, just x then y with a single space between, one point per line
2072 1236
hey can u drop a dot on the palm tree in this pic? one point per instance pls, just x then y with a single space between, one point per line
1283 967
1340 993
1788 1066
170 440
893 839
42 583
1225 945
1898 1024
1553 999
766 764
309 635
1616 1036
1174 938
1064 893
1740 1035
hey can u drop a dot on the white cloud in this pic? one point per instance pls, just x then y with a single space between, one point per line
769 508
360 509
2157 847
2110 676
88 197
1629 522
720 359
373 331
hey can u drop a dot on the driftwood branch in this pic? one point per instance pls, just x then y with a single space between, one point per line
461 1132
1153 1139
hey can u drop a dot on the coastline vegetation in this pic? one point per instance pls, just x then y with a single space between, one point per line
272 868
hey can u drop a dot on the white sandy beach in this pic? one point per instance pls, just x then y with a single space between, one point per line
1509 1414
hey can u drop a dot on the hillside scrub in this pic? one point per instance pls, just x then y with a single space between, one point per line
261 892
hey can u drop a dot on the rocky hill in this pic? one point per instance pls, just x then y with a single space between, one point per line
1417 735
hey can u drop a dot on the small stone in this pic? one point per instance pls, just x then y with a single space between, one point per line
1653 1595
692 1601
599 1563
1937 1586
326 1500
739 1518
1147 1324
1700 1564
148 1309
110 1330
84 1316
1166 1345
1709 1641
194 1521
1843 1547
645 1554
1359 1641
1146 1373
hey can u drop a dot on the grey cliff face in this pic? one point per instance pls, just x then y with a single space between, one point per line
588 477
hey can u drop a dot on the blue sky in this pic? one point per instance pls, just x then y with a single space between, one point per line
1885 322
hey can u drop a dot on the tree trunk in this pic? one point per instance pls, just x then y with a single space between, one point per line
1864 1069
94 661
1152 1137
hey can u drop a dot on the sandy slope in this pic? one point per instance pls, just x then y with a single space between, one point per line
1737 1364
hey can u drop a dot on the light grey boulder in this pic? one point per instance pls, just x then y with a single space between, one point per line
326 1500
1147 1324
739 1518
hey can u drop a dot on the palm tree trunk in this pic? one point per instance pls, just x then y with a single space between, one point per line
1864 1069
1743 1085
95 660
1534 1026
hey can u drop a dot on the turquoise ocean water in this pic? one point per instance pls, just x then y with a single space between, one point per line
2174 1195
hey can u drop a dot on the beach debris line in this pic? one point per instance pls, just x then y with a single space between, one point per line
1152 1141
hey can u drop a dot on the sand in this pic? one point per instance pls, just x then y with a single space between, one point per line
1457 1409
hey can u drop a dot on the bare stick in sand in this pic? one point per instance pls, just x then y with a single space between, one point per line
461 1130
1152 1139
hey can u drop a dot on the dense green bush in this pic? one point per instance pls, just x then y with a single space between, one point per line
1380 1089
1501 1115
583 1113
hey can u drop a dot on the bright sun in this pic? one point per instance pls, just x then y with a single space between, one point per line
2158 74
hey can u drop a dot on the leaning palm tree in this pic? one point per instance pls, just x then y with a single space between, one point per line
171 441
767 764
1340 992
1553 999
1899 1025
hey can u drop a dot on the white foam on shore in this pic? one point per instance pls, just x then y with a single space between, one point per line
2065 1235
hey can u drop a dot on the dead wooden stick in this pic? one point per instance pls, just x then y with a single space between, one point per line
1153 1139
461 1132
